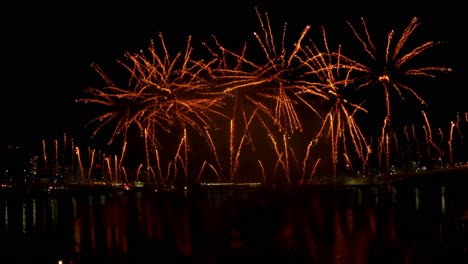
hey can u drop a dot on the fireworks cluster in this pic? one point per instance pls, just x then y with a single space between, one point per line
272 110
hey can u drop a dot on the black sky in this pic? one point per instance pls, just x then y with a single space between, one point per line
48 48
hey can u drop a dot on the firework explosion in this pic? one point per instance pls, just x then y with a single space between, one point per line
390 71
290 116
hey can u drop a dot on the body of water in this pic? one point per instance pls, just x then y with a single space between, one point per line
410 223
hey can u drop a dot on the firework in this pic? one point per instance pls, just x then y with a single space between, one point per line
162 93
268 85
243 101
390 70
325 80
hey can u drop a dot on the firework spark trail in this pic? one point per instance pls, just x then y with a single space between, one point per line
260 164
429 137
122 154
201 170
214 151
44 155
278 153
124 172
235 155
416 139
312 173
408 140
65 144
387 155
459 129
396 144
57 167
305 160
158 165
215 171
286 158
168 172
186 159
147 156
205 163
153 174
440 133
231 149
183 146
90 169
289 153
383 151
349 164
455 126
138 172
450 143
109 169
116 171
80 163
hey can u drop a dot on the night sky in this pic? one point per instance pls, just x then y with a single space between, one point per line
48 49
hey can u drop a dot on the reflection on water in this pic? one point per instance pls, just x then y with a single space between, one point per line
373 224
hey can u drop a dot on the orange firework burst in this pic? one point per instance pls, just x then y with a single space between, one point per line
390 71
162 93
394 63
268 86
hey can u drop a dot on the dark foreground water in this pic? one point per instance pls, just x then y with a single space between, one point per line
401 223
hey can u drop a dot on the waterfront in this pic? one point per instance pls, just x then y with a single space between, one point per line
420 221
